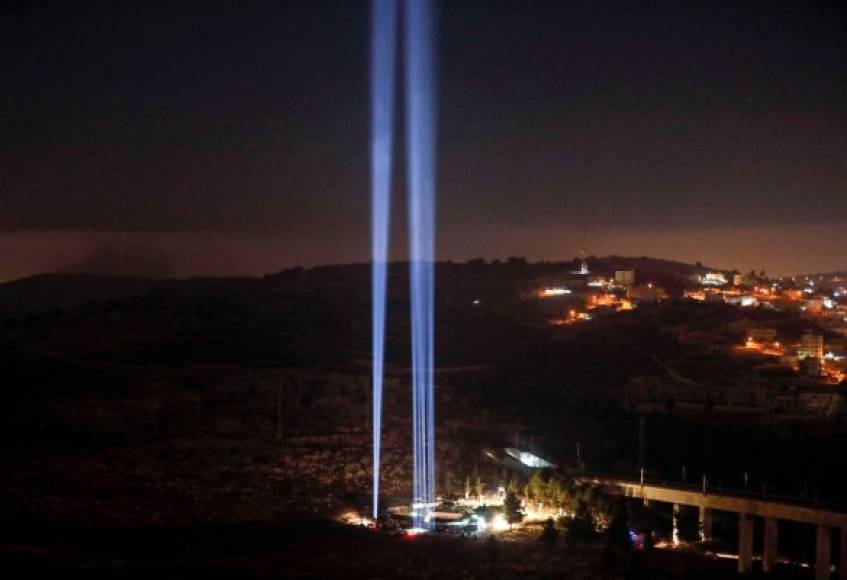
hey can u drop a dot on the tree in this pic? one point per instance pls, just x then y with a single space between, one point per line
517 262
477 488
549 534
537 487
618 542
513 486
568 497
555 491
581 527
512 507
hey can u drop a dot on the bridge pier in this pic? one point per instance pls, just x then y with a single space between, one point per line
675 532
745 543
769 546
771 510
704 522
842 566
823 549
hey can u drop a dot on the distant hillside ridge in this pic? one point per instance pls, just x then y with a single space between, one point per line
603 265
51 291
45 292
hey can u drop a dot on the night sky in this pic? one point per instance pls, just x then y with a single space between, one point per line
183 138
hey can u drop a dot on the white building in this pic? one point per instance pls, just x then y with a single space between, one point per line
713 279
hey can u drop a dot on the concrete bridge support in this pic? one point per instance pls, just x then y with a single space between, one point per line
769 546
675 533
823 549
704 522
842 566
772 511
745 543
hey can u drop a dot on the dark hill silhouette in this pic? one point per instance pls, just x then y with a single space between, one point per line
43 292
136 400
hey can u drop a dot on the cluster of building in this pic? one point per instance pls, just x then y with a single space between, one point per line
819 387
822 297
594 295
808 356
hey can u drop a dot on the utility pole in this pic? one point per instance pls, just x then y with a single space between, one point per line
578 457
642 442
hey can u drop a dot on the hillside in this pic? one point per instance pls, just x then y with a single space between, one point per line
56 291
232 400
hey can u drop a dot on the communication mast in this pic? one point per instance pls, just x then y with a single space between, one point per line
583 254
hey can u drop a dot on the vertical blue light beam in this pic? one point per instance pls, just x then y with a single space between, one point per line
420 153
383 46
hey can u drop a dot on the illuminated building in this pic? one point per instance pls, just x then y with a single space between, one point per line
625 278
811 346
793 294
764 340
553 291
601 300
741 300
738 279
713 279
695 295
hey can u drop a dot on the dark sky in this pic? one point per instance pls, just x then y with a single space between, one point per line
232 137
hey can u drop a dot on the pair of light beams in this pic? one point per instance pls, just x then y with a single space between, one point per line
420 162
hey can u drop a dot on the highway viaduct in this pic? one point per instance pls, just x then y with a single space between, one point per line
747 508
